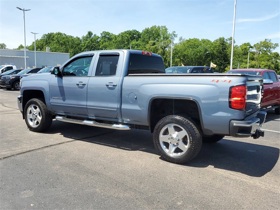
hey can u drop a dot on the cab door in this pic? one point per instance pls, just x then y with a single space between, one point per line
104 95
68 92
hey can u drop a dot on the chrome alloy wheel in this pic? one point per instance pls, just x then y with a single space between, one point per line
34 115
174 140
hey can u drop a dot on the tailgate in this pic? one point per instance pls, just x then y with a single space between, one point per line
254 94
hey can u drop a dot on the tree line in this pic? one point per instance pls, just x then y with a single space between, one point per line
157 39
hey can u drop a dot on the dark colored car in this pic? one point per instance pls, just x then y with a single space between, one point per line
9 72
12 81
188 69
47 69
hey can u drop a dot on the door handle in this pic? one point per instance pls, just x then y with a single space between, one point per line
80 84
111 85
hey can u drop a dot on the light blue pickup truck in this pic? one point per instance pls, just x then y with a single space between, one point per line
125 89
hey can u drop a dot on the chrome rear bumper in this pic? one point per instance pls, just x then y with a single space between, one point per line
249 127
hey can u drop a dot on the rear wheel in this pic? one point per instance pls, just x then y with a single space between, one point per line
37 116
212 139
177 139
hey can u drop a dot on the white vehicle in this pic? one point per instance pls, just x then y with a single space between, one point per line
4 68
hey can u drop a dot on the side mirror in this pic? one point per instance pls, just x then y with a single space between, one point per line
56 71
267 81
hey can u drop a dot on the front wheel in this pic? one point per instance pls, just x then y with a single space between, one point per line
37 117
177 139
16 85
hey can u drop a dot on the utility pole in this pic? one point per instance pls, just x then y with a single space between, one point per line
233 31
35 48
24 10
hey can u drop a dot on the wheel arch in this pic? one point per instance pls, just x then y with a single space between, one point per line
14 82
29 94
162 107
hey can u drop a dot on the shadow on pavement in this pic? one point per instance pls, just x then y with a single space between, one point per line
247 158
271 116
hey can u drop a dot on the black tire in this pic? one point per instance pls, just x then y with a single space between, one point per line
177 139
37 117
212 139
16 85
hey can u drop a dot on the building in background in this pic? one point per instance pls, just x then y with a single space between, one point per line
16 57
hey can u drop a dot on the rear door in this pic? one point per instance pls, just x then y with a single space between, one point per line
104 95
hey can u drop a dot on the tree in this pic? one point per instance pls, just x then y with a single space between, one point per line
157 39
58 42
241 54
221 51
20 47
106 40
2 46
127 40
90 42
193 52
260 55
264 56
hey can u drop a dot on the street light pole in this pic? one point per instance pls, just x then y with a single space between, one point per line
233 31
35 48
24 10
248 59
171 52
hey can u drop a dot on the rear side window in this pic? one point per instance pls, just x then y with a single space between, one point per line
139 63
266 76
107 65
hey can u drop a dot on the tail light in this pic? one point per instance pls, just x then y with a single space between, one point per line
237 97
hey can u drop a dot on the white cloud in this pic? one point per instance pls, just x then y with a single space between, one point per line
258 19
274 36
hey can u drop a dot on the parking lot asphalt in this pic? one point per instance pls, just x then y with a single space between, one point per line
80 167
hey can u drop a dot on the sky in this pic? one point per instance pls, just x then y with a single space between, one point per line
256 20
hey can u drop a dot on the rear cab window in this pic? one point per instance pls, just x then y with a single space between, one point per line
145 63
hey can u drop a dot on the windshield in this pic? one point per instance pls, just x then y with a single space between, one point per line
7 72
177 69
46 69
23 71
255 73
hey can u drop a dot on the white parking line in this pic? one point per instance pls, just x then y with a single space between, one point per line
271 131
